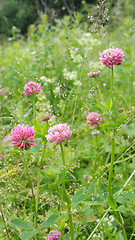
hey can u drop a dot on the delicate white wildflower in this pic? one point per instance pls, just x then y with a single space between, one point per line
56 90
78 83
46 80
69 75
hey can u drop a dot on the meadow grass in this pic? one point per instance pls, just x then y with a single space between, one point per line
59 57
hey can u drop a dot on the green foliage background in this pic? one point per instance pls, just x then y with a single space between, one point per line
59 57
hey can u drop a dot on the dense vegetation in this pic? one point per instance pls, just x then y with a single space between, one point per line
20 14
59 57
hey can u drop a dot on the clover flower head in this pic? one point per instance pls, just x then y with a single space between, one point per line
46 118
58 133
23 136
53 235
31 87
93 118
111 56
95 133
93 74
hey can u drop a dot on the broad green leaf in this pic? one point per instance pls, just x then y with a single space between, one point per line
37 126
45 128
112 202
112 125
50 221
97 108
109 104
129 195
91 189
121 119
101 105
120 236
79 192
78 197
44 189
121 208
39 135
28 234
21 224
78 200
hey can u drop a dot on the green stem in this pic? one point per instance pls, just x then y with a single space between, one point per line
34 110
30 182
95 158
70 222
111 165
64 171
38 186
67 197
117 214
4 222
132 234
111 89
38 182
112 143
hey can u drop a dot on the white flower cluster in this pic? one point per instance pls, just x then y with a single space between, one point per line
77 58
69 75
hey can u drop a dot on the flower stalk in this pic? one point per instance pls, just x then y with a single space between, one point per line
33 196
117 214
4 222
65 196
38 182
95 158
34 109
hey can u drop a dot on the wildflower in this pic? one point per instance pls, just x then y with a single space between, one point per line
54 235
93 118
23 136
89 177
112 56
58 133
35 191
95 133
31 87
93 74
46 118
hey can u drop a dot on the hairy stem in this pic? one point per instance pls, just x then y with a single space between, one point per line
4 222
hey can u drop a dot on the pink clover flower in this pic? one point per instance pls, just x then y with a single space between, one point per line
111 56
94 119
58 133
23 136
31 87
54 235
